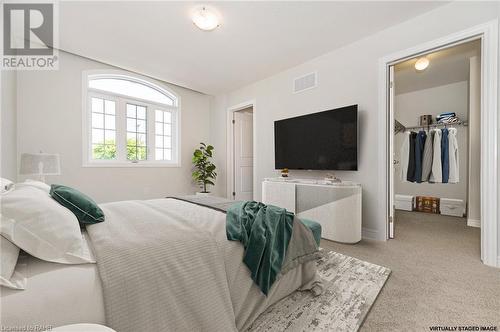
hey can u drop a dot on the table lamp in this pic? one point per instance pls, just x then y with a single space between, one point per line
40 164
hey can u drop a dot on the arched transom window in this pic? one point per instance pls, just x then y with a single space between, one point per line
130 121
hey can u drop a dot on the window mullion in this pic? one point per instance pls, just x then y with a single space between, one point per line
150 115
121 130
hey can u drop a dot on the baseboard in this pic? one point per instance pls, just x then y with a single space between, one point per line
370 234
498 261
474 223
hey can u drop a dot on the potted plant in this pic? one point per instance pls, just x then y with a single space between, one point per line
204 170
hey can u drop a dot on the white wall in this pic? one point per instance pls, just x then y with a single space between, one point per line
8 167
408 107
348 75
49 120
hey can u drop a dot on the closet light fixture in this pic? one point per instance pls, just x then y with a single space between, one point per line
205 19
421 64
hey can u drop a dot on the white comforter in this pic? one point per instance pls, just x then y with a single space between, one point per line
199 283
59 294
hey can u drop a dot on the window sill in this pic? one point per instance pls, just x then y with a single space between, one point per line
130 165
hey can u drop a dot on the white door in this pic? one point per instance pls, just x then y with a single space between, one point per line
243 155
392 157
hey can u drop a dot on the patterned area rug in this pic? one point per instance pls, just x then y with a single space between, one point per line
351 287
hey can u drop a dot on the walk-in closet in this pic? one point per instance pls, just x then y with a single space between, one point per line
437 136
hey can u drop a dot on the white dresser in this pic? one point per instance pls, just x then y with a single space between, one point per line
337 207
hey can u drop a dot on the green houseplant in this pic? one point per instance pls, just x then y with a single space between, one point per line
204 170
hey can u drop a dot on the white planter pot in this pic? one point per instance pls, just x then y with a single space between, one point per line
203 194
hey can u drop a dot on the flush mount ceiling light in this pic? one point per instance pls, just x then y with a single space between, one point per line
421 64
205 19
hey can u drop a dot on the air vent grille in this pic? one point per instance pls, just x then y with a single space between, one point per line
305 82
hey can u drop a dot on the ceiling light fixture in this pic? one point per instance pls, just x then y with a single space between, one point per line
205 19
421 64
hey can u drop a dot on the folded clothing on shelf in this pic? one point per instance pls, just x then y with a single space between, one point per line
452 119
448 117
445 115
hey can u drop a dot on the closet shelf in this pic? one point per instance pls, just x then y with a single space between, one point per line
437 125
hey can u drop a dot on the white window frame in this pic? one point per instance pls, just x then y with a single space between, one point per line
121 123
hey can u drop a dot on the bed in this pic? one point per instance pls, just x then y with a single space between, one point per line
194 274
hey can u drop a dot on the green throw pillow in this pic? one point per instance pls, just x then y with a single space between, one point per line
84 208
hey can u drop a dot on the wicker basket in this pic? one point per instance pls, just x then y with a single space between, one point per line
427 204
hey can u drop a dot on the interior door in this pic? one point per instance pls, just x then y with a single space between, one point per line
243 155
392 157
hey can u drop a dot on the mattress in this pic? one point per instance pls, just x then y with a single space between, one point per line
56 294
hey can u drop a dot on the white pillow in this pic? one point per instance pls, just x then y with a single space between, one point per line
6 185
10 276
39 225
33 183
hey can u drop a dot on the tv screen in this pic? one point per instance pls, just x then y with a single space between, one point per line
320 141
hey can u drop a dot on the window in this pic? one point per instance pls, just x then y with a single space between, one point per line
136 132
103 128
163 137
129 122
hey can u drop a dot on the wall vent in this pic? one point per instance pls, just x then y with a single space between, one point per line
305 82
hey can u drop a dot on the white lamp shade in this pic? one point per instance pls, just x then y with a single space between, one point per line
40 164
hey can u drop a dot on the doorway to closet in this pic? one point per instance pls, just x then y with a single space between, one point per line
435 103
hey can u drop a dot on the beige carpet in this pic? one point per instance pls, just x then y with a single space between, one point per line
437 275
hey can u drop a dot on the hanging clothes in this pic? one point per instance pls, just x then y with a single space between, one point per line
453 156
410 176
437 170
419 153
427 158
445 158
404 155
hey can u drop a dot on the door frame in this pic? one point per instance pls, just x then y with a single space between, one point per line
391 95
230 146
488 33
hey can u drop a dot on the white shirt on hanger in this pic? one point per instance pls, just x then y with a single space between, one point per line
437 170
453 155
405 150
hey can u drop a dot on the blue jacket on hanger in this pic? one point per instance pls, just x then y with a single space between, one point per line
410 175
419 152
445 157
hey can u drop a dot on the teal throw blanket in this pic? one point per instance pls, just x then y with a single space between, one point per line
265 232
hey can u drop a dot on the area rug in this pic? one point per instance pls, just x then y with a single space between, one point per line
351 287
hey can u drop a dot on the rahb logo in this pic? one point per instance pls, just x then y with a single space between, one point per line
29 36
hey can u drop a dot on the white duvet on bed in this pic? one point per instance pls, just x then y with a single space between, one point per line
247 299
60 294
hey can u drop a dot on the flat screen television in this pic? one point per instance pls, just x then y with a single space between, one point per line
320 141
